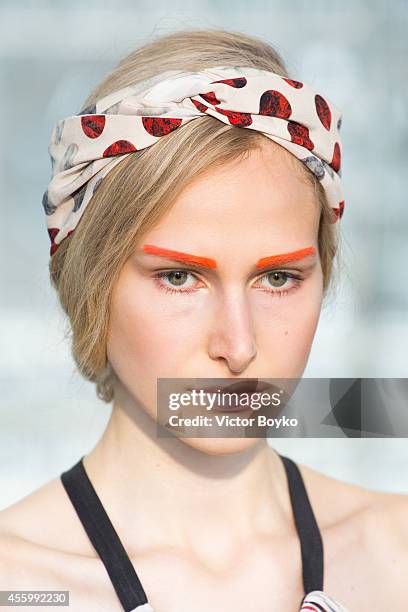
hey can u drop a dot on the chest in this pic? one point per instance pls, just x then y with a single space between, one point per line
176 584
266 578
191 590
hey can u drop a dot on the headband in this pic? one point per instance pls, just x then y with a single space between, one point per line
85 147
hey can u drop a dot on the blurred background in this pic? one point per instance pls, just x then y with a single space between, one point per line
52 53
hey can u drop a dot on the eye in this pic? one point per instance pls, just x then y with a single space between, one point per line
177 278
277 279
276 282
177 281
279 282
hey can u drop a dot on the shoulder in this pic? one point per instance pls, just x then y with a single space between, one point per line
335 502
365 534
44 547
39 535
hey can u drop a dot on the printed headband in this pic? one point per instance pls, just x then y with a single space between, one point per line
85 147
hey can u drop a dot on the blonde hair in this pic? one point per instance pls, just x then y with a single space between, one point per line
140 189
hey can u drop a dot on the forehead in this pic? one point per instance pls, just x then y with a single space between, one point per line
263 196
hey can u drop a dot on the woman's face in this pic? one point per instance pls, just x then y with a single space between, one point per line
232 310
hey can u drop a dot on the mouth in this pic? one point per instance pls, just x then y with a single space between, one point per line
247 386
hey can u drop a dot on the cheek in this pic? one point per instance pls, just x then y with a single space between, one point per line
150 336
287 329
298 337
147 336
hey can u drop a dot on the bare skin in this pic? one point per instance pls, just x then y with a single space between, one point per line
207 522
43 546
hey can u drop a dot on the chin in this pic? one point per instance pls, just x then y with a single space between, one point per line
221 446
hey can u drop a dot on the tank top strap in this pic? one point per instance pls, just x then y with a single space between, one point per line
311 543
104 538
122 574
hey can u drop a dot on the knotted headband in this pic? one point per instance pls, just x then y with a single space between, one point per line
85 147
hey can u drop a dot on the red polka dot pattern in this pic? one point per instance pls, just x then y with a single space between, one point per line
300 135
323 111
295 84
338 212
119 148
274 104
336 159
237 119
85 147
237 82
160 126
52 234
210 97
201 107
93 125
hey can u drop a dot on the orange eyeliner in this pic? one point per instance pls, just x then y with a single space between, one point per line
285 257
179 256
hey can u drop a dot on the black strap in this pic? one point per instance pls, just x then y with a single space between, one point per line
311 543
103 537
123 576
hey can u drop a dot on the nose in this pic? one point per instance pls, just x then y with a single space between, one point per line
232 338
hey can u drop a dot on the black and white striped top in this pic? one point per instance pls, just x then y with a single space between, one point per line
124 578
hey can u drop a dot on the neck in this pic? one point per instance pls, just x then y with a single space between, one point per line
160 491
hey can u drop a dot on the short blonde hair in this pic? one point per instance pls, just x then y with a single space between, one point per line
140 189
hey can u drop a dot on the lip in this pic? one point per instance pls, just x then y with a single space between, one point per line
252 385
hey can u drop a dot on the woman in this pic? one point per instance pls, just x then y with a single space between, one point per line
205 255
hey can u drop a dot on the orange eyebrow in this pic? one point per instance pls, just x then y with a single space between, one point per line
285 257
206 262
211 263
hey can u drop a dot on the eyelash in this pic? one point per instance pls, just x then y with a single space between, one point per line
296 282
